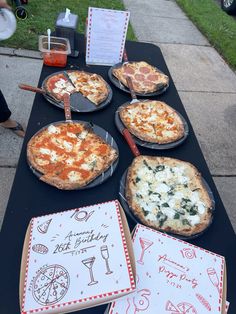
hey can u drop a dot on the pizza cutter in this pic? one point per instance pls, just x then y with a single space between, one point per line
77 100
38 90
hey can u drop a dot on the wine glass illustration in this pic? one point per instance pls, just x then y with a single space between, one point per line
145 244
88 262
105 256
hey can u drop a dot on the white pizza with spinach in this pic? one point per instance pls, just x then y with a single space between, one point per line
168 194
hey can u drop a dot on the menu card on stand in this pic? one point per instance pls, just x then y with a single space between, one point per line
174 277
76 259
106 35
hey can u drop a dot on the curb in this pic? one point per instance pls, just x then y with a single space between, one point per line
14 52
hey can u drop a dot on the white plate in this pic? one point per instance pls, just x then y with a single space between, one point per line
7 24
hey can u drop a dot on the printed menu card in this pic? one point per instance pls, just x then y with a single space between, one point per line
173 277
76 259
106 35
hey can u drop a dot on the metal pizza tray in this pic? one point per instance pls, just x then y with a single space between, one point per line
122 87
78 102
100 132
150 145
129 210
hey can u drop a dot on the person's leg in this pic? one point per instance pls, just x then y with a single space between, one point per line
5 120
5 112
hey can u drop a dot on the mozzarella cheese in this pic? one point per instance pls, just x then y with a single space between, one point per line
163 193
53 130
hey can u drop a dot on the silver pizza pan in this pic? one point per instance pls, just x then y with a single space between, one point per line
161 88
129 211
98 131
78 102
138 141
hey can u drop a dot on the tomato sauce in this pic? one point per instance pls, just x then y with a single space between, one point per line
55 58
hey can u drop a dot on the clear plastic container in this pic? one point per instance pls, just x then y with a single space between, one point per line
57 54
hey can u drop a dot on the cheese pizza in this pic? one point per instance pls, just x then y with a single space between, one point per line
145 77
168 195
152 121
69 155
92 86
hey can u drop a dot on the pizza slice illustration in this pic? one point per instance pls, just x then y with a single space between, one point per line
171 308
43 228
51 284
181 308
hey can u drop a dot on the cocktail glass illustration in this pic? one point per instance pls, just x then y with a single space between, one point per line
88 262
145 244
105 256
213 277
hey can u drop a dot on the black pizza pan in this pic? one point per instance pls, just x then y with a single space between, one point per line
138 141
78 102
129 211
162 88
98 131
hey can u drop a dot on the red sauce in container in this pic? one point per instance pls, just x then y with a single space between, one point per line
56 54
55 58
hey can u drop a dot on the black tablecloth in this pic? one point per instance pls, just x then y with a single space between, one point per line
31 198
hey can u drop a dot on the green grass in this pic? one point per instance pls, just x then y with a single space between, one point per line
43 15
215 24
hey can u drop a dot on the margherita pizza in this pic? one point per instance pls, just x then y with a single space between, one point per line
69 155
145 77
168 194
57 85
92 86
152 121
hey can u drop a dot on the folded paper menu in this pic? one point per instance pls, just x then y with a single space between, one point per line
106 35
174 277
70 259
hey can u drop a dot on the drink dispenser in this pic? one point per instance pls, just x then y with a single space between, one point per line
66 26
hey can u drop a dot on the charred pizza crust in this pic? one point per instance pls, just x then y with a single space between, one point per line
145 77
167 194
69 155
58 85
90 85
152 121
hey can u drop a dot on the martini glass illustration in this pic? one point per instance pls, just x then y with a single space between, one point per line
145 244
213 277
105 256
88 262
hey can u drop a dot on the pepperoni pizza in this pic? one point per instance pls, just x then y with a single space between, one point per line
145 77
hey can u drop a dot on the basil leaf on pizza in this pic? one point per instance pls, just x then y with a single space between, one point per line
69 155
145 77
168 194
152 121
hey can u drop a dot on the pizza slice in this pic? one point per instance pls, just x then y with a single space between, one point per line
57 85
152 121
91 86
